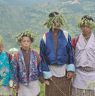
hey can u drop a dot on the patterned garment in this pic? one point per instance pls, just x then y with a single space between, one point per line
6 75
20 68
58 87
5 69
82 92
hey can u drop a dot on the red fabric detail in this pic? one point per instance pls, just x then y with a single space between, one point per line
74 41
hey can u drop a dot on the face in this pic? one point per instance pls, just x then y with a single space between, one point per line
1 47
25 42
86 30
56 25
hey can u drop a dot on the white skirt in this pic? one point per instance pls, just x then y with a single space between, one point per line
32 90
84 80
82 92
6 91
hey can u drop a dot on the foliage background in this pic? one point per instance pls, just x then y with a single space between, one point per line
19 15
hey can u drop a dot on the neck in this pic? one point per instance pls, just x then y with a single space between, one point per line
87 35
55 30
25 49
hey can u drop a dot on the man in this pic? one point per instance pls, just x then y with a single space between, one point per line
57 62
84 45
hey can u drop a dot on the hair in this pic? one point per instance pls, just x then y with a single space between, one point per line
53 14
87 21
24 34
87 17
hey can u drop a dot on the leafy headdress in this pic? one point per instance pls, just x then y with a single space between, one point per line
54 18
23 34
87 21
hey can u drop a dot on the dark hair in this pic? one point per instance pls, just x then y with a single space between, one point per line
52 14
87 18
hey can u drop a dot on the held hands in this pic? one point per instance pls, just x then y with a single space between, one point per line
12 85
70 75
46 82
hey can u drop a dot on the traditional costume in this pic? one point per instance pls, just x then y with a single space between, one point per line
84 81
56 59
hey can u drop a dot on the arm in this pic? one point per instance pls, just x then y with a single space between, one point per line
70 66
44 65
15 70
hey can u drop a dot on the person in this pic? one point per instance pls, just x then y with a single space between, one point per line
13 51
84 50
6 72
57 62
26 62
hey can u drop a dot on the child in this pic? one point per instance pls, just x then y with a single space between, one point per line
6 82
26 66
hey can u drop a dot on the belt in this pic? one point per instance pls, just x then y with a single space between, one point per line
86 69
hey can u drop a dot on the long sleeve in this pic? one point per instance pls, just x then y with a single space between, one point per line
70 66
15 71
44 65
11 71
10 65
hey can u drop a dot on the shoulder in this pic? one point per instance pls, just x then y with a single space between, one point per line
67 35
37 55
9 56
45 35
74 41
16 56
35 52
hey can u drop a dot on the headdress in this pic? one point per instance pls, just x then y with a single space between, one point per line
54 17
21 35
87 21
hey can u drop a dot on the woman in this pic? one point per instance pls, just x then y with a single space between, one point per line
26 63
84 47
6 72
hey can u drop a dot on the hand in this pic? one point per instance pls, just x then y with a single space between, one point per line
70 75
16 88
11 82
46 82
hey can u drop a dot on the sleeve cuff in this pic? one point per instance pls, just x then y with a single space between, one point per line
47 74
71 67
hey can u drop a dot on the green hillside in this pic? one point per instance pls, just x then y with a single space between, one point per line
19 15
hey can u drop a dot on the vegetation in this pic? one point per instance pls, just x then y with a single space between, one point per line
18 15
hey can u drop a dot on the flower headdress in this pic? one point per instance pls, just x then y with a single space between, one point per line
23 34
87 21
